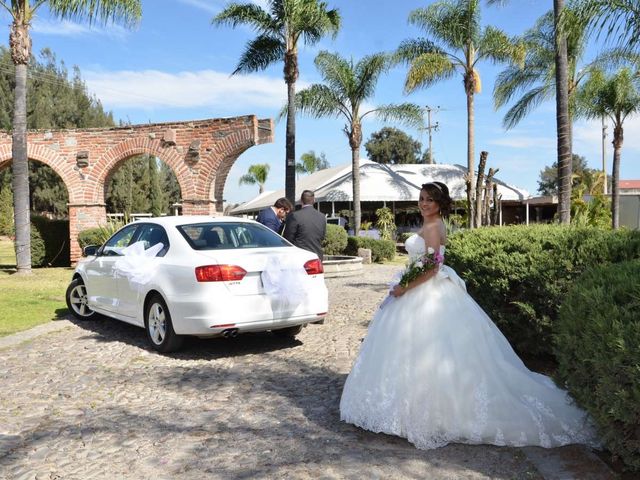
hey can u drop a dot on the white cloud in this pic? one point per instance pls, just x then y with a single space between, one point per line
67 28
524 142
589 135
149 89
214 6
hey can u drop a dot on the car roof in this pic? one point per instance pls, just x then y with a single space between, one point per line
172 221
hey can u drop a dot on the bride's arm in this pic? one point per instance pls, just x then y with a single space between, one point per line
431 235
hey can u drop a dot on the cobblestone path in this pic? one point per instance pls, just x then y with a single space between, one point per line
92 401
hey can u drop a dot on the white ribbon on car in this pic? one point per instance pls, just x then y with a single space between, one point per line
285 282
137 264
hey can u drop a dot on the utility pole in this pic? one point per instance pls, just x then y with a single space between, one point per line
604 155
429 128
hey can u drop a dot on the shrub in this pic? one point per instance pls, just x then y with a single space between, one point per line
519 275
402 237
380 249
6 212
55 234
597 345
386 223
98 235
335 241
38 251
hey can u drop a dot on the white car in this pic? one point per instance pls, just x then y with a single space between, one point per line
210 277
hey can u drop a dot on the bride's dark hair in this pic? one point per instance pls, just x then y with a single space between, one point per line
440 194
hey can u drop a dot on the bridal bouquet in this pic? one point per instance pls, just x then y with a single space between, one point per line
430 260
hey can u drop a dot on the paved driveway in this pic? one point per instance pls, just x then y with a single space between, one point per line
90 400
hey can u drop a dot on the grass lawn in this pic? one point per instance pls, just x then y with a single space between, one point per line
27 301
7 252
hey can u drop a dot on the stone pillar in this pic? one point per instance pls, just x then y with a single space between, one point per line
81 217
194 206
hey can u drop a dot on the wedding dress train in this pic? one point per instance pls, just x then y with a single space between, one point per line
434 369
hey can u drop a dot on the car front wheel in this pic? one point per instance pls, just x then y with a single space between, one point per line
77 300
157 322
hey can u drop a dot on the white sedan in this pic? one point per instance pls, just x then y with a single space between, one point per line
201 276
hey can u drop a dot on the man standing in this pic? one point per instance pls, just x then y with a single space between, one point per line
273 217
306 227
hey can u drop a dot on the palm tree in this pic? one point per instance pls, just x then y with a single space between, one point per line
616 96
310 163
535 80
257 173
563 122
456 43
278 31
347 85
22 13
619 19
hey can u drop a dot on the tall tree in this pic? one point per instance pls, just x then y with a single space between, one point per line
256 174
310 163
548 181
391 145
347 86
456 43
157 202
22 13
617 97
278 31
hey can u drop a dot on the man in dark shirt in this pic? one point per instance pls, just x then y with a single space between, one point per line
273 217
306 228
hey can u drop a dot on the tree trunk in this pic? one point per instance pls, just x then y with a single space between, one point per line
20 49
562 121
489 191
291 75
355 139
479 181
470 161
618 137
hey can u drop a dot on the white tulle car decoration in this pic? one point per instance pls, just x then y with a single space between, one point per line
201 276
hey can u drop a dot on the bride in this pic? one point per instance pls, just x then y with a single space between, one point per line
434 368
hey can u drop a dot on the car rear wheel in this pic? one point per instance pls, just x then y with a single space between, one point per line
157 322
77 300
289 332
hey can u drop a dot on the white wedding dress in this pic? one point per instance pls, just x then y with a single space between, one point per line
434 369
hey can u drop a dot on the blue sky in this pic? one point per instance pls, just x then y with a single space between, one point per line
175 66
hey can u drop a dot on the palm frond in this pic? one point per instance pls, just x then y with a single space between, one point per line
259 53
411 49
497 46
336 72
127 12
321 101
514 80
247 179
367 72
526 104
408 114
457 24
236 14
428 69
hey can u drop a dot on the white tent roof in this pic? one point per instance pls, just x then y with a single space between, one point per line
379 182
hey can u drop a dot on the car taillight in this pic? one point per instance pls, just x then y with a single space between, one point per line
313 267
220 273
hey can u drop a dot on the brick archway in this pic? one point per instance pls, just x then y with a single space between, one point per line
200 153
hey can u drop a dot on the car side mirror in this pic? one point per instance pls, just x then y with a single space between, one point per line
90 250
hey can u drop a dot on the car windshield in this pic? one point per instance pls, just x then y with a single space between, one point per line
230 235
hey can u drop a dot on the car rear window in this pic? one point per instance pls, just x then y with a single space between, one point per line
230 235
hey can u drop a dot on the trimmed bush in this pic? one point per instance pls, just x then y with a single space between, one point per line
38 251
519 275
597 345
335 240
380 249
55 234
98 235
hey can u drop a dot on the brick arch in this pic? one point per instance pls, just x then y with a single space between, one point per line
72 178
116 155
199 152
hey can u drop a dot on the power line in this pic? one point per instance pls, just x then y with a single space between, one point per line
429 128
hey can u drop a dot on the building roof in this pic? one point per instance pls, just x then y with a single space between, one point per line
379 182
629 184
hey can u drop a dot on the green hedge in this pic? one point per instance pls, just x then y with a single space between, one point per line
38 252
335 240
597 345
380 249
55 234
519 275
